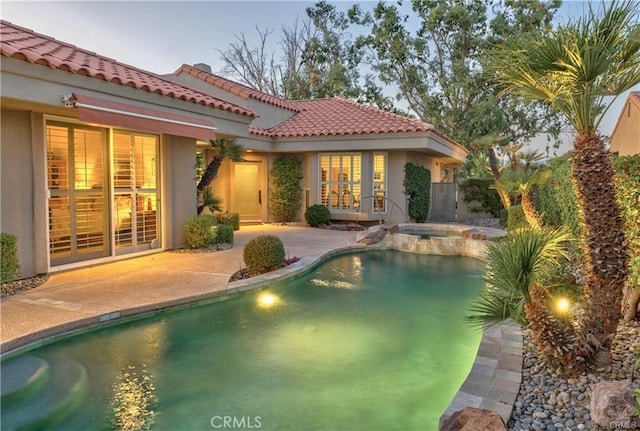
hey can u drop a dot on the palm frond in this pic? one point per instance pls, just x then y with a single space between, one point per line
513 265
574 67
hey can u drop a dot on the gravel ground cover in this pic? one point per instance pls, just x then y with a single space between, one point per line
548 401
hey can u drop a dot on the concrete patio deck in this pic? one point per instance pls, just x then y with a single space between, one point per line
84 297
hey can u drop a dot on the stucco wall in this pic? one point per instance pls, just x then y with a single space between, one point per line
17 183
180 190
626 136
395 175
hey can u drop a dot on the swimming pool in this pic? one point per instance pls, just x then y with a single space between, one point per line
367 341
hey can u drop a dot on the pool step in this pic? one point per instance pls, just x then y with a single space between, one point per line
59 397
22 378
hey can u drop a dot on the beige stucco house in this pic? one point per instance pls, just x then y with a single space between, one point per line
97 158
625 139
353 155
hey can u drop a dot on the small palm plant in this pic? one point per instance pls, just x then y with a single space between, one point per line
513 265
522 182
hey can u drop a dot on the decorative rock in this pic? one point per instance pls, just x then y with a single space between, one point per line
372 236
473 234
612 402
391 228
473 419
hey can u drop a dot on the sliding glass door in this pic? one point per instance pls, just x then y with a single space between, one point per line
76 176
135 193
98 205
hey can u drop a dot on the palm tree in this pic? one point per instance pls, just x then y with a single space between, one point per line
225 148
573 69
522 182
514 264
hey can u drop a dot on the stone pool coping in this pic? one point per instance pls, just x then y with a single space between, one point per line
494 380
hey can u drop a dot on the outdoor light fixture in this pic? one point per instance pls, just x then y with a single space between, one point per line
562 305
267 300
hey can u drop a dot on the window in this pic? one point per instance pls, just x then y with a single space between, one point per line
340 176
379 182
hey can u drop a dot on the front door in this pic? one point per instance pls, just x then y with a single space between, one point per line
247 194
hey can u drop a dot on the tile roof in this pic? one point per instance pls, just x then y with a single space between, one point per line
24 44
336 116
319 117
232 87
635 98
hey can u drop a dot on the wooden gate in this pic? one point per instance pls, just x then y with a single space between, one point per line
443 202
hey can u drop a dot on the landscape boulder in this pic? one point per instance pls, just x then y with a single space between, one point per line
391 228
612 405
371 236
474 234
473 419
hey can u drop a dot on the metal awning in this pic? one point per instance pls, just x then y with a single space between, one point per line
118 114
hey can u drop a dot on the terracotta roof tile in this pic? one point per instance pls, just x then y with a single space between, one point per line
635 98
24 44
319 117
233 87
332 117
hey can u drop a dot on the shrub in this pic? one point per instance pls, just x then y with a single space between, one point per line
10 266
232 219
263 254
317 215
480 191
516 218
557 199
200 231
504 216
627 181
224 235
285 193
417 186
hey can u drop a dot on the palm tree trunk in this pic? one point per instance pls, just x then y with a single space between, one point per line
530 212
210 173
630 303
495 172
602 238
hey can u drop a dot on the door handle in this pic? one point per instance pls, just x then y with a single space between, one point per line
260 197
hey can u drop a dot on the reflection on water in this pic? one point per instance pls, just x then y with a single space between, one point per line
134 400
370 341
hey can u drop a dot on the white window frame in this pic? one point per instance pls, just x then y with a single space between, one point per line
383 182
354 204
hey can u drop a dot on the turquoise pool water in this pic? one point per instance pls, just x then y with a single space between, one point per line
367 341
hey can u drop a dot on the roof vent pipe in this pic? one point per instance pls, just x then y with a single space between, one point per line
203 66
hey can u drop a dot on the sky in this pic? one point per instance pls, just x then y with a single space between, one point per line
160 36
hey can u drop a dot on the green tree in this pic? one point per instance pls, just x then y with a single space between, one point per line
318 59
223 148
574 69
329 60
438 68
